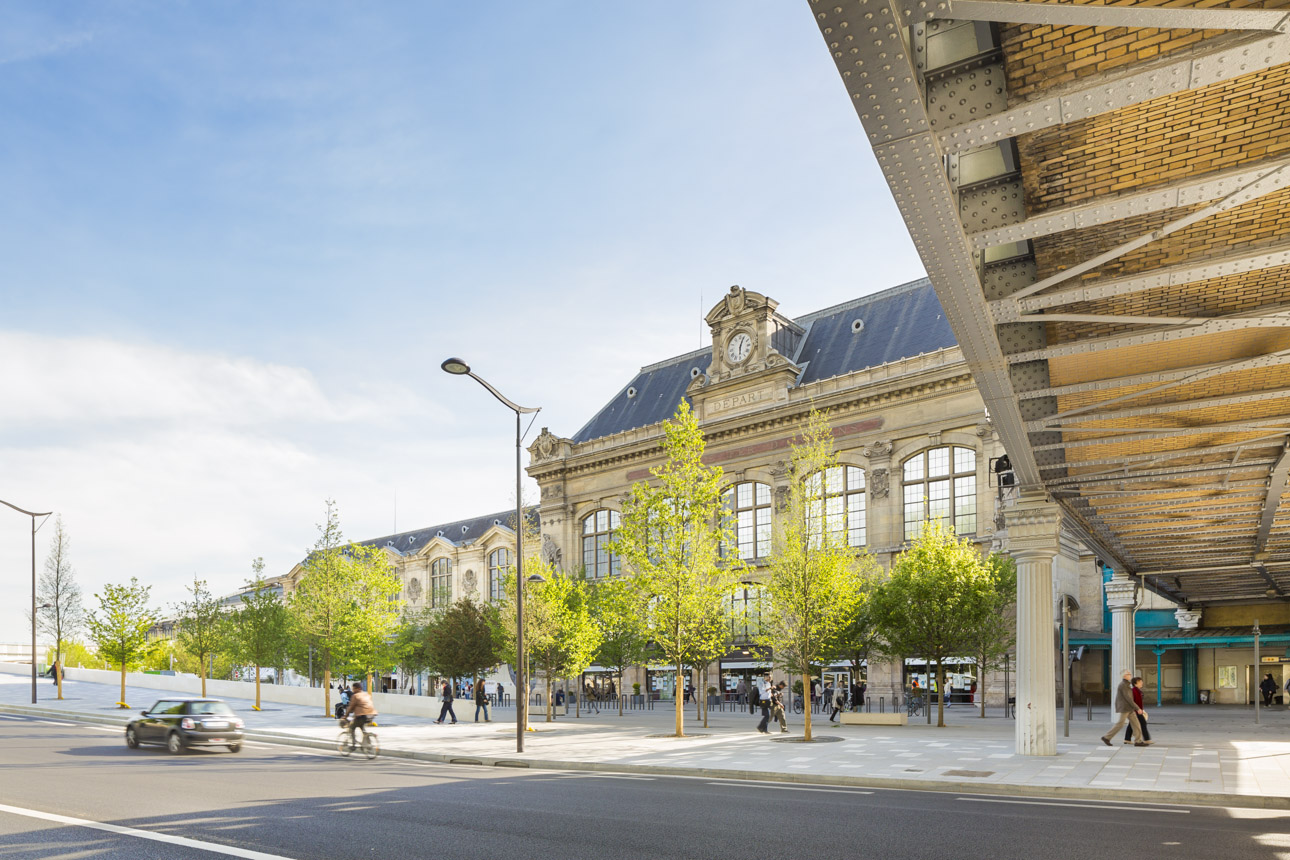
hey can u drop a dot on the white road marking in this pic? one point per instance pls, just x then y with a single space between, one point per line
614 776
788 787
181 841
1076 805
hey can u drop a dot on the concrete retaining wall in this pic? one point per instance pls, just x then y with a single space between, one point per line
191 685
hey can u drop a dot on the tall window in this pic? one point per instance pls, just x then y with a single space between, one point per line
499 564
749 506
940 484
440 583
743 608
597 531
835 505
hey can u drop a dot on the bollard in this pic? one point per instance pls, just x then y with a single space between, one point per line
1089 701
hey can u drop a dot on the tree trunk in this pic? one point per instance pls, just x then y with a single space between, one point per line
58 660
327 688
620 692
201 670
703 683
679 700
257 688
549 704
122 702
940 694
807 681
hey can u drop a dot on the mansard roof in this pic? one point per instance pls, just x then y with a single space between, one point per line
900 322
457 533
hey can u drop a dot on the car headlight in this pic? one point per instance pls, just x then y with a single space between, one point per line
186 723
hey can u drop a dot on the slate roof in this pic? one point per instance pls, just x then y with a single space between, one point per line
900 322
458 532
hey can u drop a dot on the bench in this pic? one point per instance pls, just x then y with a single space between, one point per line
850 718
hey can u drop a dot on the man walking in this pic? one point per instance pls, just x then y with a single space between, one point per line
1127 709
763 701
481 701
446 711
777 706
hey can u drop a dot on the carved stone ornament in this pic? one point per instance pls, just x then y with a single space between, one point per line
878 448
414 590
546 444
984 429
781 498
780 469
550 552
1188 619
735 300
552 491
879 483
469 579
1121 593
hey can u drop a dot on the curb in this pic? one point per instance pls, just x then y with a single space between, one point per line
973 788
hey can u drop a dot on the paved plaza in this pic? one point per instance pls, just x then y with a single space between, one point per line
1202 753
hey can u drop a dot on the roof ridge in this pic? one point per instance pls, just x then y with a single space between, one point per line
495 516
698 353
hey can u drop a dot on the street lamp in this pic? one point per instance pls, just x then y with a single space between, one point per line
33 589
457 367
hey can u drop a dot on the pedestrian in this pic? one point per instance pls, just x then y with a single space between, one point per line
1269 689
857 700
500 690
1127 709
56 672
949 694
777 706
741 691
1137 699
613 692
481 701
839 702
446 711
754 699
411 689
763 692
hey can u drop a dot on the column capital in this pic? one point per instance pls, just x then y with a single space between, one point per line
1188 619
1034 525
1121 593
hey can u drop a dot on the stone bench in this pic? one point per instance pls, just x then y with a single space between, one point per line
862 719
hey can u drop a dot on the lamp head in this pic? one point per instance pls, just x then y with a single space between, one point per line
456 366
535 578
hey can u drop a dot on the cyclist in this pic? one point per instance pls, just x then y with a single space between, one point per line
360 705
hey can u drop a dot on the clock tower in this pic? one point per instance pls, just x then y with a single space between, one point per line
751 348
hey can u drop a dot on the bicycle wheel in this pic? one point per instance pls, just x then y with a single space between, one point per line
344 745
371 746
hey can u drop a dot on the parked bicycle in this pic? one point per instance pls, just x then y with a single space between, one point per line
346 743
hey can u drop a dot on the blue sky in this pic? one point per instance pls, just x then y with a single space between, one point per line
237 239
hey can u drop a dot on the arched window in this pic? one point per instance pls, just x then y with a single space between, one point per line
743 609
597 531
940 484
749 507
440 583
499 564
835 504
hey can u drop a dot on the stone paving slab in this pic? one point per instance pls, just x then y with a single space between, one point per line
1203 754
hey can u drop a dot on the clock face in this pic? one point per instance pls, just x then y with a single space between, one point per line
739 348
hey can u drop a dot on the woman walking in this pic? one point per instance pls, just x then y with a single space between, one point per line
1137 700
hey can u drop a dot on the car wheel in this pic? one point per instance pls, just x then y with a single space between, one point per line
131 739
174 743
234 747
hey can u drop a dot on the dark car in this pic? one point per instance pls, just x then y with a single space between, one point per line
179 723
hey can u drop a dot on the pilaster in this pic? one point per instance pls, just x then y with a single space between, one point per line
1034 526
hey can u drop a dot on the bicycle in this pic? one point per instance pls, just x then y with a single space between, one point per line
370 744
798 707
915 706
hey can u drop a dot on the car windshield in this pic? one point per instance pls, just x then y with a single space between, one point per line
218 708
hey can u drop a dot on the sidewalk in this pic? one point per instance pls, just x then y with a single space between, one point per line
1203 754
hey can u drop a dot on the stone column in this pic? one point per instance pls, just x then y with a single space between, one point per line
1121 598
1034 524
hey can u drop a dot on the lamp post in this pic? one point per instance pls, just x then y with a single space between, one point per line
457 367
33 589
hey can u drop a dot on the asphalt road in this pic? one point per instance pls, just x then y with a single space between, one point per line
61 785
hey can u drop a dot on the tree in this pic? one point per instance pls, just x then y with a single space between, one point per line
992 633
63 615
815 581
410 642
120 625
623 640
369 629
936 593
202 629
670 541
860 642
459 641
258 629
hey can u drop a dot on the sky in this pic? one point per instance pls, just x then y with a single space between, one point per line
238 239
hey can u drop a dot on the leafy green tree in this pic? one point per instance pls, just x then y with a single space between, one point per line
202 629
860 642
119 627
815 581
993 631
63 615
369 629
670 541
323 597
258 629
459 641
623 639
410 642
936 593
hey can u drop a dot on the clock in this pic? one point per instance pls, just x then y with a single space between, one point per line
738 348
